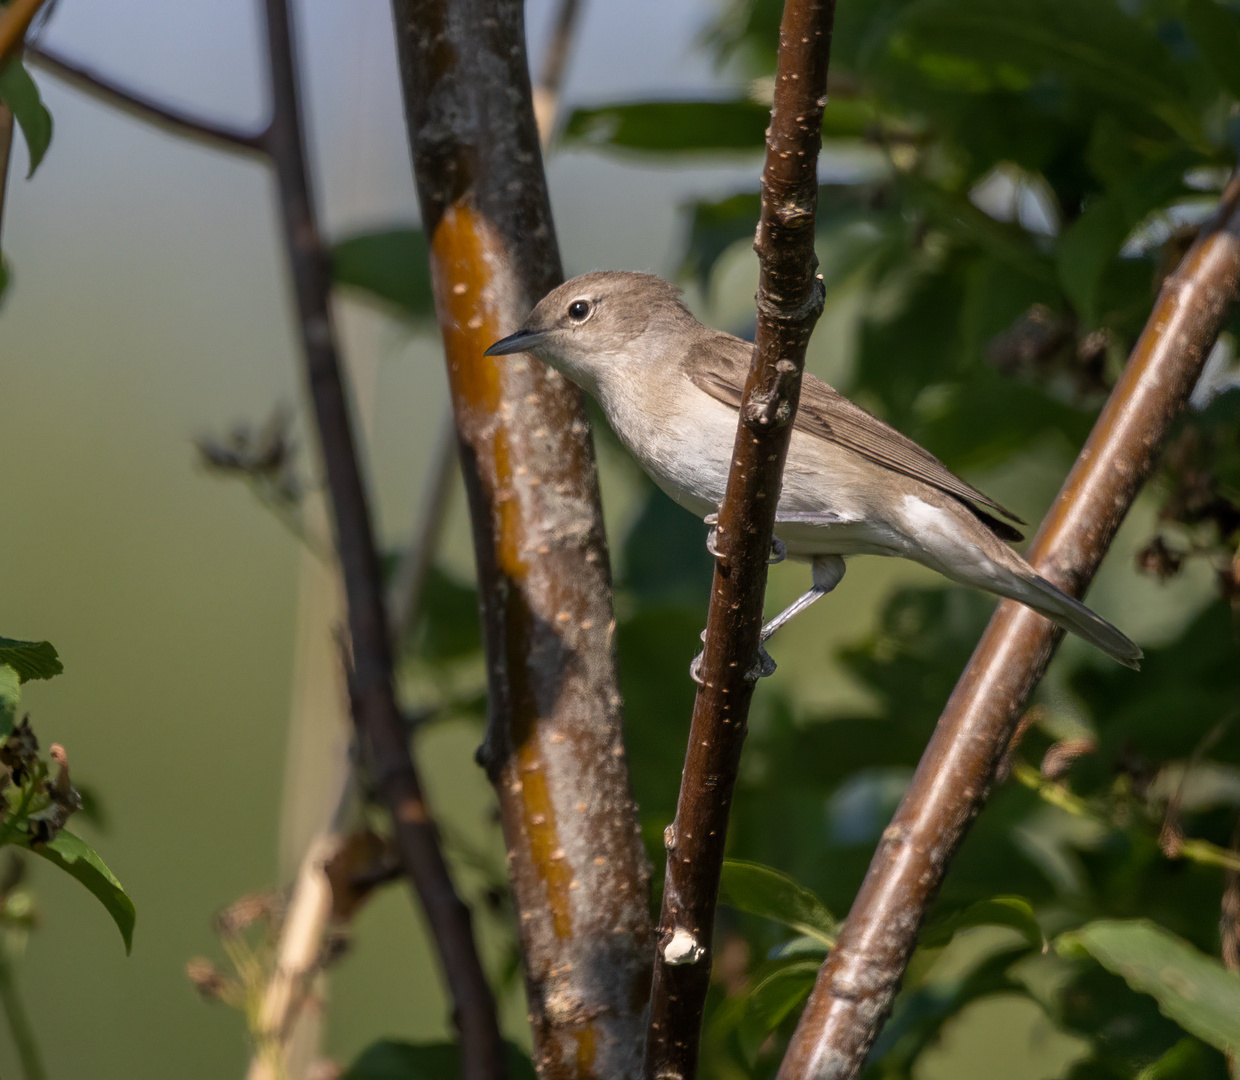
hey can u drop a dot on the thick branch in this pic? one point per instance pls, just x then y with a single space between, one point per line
147 109
554 746
789 301
380 726
858 982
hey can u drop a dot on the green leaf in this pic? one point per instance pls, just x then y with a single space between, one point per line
78 859
10 695
1193 989
20 93
392 266
1014 912
1096 46
737 124
1216 34
773 997
766 892
30 659
673 126
1186 1060
389 1059
448 625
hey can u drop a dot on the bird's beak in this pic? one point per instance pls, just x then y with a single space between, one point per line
521 341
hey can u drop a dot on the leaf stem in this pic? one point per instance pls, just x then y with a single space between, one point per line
19 1023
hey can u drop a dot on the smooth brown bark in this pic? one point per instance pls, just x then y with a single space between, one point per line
858 982
554 748
789 302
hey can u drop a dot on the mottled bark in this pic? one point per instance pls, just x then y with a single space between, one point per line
554 743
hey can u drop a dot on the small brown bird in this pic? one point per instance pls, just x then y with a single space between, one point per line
671 389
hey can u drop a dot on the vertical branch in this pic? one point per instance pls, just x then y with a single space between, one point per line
554 746
20 1029
6 147
381 728
858 982
789 302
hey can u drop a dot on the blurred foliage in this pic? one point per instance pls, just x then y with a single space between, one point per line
37 801
1021 176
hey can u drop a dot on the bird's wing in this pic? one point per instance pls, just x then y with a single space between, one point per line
720 365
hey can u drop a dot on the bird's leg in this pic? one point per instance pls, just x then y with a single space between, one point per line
827 571
779 552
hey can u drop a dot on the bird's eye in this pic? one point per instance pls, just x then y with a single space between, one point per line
578 310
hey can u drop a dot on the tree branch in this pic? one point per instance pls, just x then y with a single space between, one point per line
789 302
14 20
858 982
147 109
551 75
554 746
380 726
6 147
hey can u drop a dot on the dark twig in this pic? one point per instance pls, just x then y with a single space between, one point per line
175 121
554 746
380 726
789 302
858 982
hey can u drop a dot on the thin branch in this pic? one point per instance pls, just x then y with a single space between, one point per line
858 982
789 301
555 60
19 1022
409 583
554 747
14 21
380 726
6 147
297 960
148 109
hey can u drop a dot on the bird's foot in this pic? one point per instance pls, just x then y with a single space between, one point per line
712 537
779 551
763 665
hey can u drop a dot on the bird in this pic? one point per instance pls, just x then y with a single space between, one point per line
670 387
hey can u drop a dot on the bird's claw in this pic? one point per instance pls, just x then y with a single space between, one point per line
779 551
695 669
712 537
763 666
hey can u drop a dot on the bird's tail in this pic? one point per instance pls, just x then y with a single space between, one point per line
1068 612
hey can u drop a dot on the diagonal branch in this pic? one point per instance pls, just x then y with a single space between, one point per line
789 302
147 109
380 725
858 982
